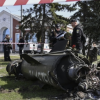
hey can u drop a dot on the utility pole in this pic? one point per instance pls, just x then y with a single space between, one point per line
10 29
21 19
21 12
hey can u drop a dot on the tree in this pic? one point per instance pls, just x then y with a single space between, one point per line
88 14
43 15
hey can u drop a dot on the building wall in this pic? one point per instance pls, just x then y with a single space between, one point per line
5 23
15 23
8 21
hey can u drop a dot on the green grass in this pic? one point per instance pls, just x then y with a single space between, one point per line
11 89
98 57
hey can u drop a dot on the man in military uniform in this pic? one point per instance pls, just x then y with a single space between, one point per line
78 36
57 34
6 48
21 46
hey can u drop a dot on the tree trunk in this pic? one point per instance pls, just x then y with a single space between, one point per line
84 19
89 47
83 50
43 33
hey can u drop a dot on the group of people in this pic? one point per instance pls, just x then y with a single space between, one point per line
78 38
7 47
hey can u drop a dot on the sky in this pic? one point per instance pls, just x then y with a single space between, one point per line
16 9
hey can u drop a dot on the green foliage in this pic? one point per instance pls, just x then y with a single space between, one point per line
68 35
89 15
43 15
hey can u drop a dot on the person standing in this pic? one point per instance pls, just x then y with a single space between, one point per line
6 48
57 34
78 38
21 46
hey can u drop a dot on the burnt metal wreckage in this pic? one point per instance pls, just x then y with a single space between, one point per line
61 68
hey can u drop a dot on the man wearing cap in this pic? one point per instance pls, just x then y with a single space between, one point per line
6 48
78 36
57 34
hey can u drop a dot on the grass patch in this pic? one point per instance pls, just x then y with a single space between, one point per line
4 63
98 57
11 89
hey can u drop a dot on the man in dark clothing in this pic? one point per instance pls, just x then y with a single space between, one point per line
6 48
78 37
21 46
57 34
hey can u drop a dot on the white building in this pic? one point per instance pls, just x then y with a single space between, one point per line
10 22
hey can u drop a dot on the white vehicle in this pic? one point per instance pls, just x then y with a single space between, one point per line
31 47
45 50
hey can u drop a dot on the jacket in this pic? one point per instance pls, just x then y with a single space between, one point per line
21 45
54 38
77 37
7 47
